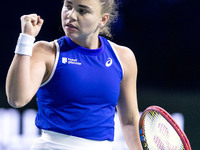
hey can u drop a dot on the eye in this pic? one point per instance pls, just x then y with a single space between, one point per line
83 11
68 6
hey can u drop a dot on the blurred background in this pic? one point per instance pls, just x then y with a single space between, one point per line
164 36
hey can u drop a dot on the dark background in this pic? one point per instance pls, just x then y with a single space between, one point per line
163 34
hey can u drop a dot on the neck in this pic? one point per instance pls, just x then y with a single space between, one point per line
90 42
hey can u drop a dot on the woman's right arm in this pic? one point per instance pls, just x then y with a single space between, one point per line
26 72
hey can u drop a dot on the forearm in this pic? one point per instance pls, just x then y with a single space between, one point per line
18 87
26 72
131 136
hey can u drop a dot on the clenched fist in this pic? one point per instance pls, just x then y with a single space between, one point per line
31 24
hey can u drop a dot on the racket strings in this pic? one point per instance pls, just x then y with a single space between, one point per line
160 135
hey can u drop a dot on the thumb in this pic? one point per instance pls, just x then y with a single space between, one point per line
40 21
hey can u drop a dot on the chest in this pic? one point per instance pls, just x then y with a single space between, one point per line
87 79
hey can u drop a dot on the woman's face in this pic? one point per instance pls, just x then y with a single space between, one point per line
81 19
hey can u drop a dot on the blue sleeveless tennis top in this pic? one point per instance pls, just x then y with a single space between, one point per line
80 96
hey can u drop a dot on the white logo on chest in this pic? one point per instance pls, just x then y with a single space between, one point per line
70 61
64 60
109 62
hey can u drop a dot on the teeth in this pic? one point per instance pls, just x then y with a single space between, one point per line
71 26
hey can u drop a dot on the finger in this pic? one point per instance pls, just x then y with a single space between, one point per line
40 21
25 18
30 18
34 19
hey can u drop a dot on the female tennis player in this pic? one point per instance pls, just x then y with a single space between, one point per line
79 79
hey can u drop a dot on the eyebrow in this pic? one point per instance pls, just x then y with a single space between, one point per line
82 6
67 1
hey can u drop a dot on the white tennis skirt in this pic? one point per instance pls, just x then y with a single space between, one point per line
57 141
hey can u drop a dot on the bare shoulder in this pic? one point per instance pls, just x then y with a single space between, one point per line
126 57
44 47
44 53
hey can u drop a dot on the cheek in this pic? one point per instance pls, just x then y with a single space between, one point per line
62 17
89 24
64 14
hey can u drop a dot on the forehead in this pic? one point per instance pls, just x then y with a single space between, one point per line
90 3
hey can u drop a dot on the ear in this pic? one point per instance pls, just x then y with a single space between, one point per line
104 20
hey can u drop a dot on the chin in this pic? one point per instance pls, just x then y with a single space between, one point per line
71 35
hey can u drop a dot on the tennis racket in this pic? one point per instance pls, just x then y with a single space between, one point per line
159 131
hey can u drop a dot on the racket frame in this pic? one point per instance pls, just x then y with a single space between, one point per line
171 121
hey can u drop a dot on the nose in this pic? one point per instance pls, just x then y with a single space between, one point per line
72 14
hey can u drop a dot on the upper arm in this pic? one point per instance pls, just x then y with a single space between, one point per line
41 63
26 73
127 104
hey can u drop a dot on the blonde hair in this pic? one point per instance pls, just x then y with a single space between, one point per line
110 7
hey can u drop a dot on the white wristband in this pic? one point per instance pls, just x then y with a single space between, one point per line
25 44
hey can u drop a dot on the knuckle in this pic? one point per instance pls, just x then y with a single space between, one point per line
25 17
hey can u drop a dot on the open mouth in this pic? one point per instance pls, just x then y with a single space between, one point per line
71 26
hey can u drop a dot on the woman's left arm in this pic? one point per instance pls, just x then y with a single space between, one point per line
127 107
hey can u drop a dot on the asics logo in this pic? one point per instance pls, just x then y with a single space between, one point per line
109 62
